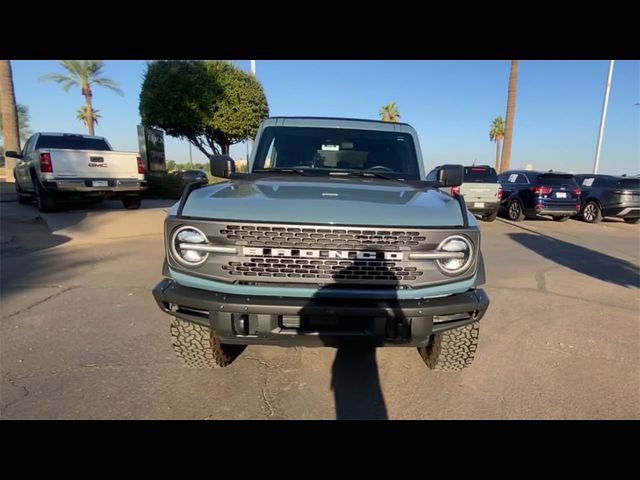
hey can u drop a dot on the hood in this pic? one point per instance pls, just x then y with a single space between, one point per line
339 201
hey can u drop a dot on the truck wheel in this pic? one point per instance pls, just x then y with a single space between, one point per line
23 197
451 350
200 347
514 211
564 218
632 220
591 213
490 217
131 203
44 200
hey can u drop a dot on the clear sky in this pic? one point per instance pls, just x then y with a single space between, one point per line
450 103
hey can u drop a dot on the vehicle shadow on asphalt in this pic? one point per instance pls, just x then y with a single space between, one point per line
580 259
355 380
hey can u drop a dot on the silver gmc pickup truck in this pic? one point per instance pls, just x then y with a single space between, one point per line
52 166
333 237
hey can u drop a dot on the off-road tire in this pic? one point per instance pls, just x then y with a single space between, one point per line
451 350
131 203
200 347
490 217
591 212
632 220
514 211
564 218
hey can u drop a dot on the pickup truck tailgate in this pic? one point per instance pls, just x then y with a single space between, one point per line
93 164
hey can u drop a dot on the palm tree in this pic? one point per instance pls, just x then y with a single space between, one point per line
84 74
389 112
81 115
496 134
511 112
23 122
9 111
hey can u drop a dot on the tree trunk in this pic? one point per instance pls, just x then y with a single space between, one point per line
225 148
10 128
497 155
511 112
88 114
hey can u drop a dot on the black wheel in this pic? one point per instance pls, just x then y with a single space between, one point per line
131 203
44 200
591 212
490 217
451 350
632 220
514 211
200 347
562 219
24 198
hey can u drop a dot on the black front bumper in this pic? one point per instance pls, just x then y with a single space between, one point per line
290 321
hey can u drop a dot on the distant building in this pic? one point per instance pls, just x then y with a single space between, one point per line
528 167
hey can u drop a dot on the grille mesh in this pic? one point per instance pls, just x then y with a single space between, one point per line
322 270
322 238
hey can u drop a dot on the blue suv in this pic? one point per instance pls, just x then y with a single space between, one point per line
527 194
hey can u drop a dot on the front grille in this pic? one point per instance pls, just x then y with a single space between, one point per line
323 270
322 238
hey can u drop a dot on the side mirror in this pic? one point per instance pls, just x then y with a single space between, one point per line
12 154
450 175
222 166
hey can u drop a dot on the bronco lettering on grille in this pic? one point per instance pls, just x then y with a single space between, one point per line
304 253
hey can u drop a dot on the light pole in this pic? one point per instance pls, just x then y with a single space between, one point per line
603 119
190 156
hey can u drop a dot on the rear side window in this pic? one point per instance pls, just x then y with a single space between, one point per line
555 180
629 183
72 142
480 175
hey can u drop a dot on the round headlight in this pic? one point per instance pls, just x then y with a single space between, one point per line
181 239
458 244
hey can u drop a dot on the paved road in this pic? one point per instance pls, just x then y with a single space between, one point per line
81 336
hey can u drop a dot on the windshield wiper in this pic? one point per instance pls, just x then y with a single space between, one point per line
297 171
365 173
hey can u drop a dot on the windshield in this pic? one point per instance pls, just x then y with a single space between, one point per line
556 180
72 142
480 175
333 149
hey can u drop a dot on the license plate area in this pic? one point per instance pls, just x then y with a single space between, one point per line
478 204
100 183
561 194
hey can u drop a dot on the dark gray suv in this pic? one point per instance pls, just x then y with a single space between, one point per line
609 196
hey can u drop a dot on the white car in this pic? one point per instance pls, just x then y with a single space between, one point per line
56 165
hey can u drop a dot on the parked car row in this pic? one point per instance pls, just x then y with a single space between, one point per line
520 194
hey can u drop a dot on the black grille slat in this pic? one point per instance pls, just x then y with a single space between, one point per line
321 238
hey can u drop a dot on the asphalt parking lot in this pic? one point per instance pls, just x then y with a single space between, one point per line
82 338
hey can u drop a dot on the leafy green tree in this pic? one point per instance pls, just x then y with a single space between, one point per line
390 112
23 122
84 74
171 165
212 104
496 134
241 107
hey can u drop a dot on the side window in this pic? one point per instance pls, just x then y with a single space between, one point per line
433 175
512 178
590 181
522 178
28 147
